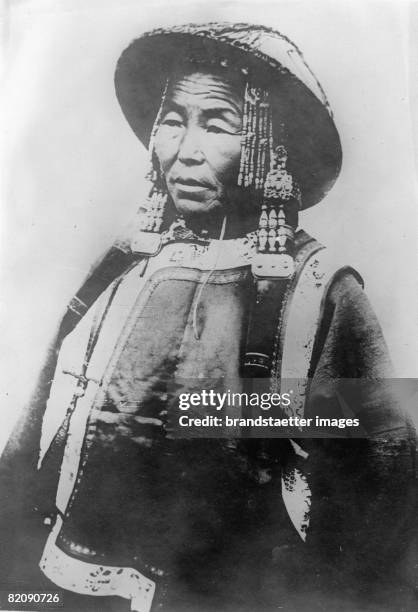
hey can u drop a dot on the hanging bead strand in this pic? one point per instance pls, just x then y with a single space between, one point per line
245 141
152 214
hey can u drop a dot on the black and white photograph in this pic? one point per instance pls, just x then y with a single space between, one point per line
209 325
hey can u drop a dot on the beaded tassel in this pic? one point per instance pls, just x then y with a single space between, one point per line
280 192
245 143
151 215
255 144
154 172
278 220
263 168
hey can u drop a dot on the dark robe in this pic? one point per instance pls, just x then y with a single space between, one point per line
199 512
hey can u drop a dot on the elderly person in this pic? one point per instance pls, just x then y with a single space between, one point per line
216 283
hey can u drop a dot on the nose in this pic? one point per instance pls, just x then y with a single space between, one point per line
190 149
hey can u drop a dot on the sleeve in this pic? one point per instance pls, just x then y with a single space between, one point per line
21 533
362 487
28 494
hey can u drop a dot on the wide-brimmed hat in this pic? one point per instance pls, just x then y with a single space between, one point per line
300 107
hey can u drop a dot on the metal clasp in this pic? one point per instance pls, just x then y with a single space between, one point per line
273 265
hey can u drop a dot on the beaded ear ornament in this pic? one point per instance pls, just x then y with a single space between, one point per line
278 221
262 169
146 234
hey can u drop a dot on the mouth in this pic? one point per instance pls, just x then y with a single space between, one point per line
190 185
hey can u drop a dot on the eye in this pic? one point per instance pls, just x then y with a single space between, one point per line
216 129
172 119
220 127
172 122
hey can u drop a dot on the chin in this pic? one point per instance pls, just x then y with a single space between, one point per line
195 208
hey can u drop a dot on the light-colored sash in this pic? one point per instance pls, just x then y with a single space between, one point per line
304 315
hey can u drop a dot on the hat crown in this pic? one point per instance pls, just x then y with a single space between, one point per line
260 41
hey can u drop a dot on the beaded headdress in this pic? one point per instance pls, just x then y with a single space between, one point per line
303 120
262 170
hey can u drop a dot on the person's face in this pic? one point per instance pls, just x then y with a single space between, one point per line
198 143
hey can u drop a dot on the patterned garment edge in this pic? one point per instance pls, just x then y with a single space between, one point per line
95 580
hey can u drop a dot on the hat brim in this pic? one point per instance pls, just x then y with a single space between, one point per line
306 127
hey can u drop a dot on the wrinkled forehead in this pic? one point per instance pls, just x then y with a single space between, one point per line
206 85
